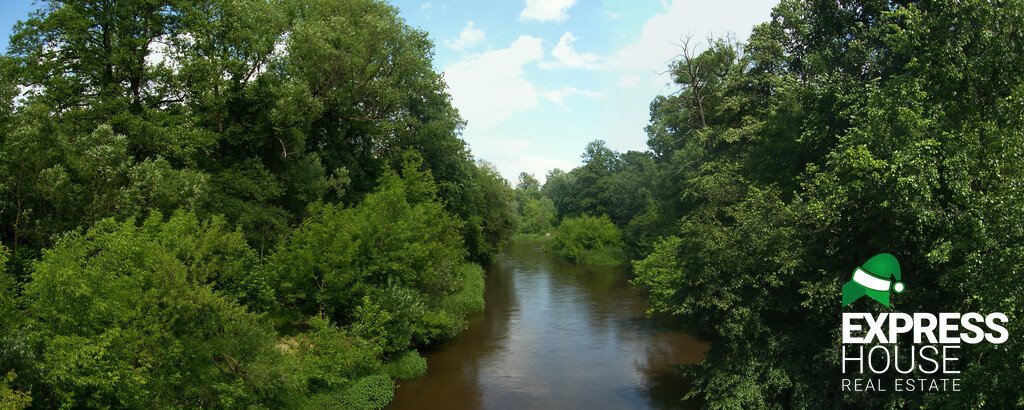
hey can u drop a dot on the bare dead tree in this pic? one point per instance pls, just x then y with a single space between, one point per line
695 80
696 74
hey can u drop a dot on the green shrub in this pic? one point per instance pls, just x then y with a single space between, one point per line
326 358
538 216
588 240
450 319
399 248
408 365
11 398
371 392
129 316
469 299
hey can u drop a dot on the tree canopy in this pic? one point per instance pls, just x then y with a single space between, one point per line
231 203
837 131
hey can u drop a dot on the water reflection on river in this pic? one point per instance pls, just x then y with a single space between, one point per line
555 336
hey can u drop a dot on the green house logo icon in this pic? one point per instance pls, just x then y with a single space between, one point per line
875 279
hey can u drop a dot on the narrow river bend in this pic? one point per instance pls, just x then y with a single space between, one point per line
555 336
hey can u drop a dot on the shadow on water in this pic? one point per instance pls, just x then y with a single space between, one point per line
555 335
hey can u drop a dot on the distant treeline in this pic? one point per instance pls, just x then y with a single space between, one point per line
231 204
839 130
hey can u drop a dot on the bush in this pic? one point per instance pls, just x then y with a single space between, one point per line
588 240
450 319
393 258
371 392
408 365
470 298
327 358
538 216
123 318
11 398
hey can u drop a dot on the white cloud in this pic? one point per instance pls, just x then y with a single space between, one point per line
539 166
546 10
505 94
469 37
559 95
628 81
425 6
511 155
659 40
490 87
565 56
508 146
533 164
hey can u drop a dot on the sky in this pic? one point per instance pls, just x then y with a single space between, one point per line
536 80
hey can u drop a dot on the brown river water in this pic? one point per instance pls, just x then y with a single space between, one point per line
555 336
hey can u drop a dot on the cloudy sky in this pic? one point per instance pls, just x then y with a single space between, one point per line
538 79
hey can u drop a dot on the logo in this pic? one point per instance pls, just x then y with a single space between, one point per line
905 352
872 279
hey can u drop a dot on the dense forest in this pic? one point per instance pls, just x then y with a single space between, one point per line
231 204
267 203
839 130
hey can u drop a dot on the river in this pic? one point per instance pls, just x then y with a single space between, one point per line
555 336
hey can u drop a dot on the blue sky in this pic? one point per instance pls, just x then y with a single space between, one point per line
538 79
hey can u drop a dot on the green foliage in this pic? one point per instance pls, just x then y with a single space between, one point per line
537 213
371 392
619 185
408 365
13 395
10 398
398 248
9 313
588 240
81 179
839 131
128 316
242 119
496 220
326 358
225 107
470 297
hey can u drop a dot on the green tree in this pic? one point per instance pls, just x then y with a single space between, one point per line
12 398
127 316
17 361
527 188
587 240
265 107
496 216
559 186
392 257
9 312
245 119
538 216
839 131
